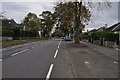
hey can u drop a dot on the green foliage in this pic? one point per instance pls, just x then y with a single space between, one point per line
7 33
28 34
84 36
108 36
32 22
47 23
71 16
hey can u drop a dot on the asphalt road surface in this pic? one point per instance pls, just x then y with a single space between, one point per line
56 59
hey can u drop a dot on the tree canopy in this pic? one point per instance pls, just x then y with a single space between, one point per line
47 23
32 22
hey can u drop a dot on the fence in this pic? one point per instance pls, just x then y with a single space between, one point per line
106 43
6 38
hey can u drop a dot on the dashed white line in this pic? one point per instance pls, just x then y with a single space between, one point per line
19 52
115 62
0 60
57 50
59 43
55 53
58 47
49 72
86 62
32 47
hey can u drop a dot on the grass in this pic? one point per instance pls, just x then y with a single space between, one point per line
17 42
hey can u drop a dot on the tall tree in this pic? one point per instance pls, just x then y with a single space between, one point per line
32 22
47 20
77 13
79 18
67 13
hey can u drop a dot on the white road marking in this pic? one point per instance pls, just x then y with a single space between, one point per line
0 60
49 72
55 53
32 47
86 62
58 47
59 43
115 62
57 50
117 49
19 52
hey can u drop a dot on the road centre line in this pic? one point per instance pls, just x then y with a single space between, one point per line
49 72
32 47
115 62
58 47
0 60
55 53
57 50
19 52
59 43
86 62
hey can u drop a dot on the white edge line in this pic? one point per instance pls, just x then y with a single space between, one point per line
49 72
55 53
19 52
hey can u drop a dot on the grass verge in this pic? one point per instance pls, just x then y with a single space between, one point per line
17 42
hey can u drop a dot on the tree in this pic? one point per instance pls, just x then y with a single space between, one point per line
2 16
47 23
77 13
69 18
79 18
32 22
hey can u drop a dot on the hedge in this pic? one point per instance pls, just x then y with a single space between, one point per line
108 36
17 33
28 34
7 33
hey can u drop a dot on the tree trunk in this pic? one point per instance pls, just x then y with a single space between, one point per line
77 21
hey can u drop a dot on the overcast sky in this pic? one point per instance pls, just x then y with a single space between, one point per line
18 10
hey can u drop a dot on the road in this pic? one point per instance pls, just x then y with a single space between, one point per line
57 59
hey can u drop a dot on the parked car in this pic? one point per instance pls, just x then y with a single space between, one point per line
67 38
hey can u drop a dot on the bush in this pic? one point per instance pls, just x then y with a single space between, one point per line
7 33
28 34
108 36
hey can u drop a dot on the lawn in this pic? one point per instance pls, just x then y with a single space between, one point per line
17 42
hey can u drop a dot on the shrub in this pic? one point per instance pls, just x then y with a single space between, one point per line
108 36
7 33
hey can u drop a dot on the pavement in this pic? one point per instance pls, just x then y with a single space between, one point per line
59 59
89 62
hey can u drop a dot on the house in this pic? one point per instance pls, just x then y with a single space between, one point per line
11 25
114 28
101 29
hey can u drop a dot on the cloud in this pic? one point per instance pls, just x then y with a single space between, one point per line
18 10
30 0
13 6
108 15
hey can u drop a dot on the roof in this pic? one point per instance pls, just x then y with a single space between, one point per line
117 28
10 24
114 27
